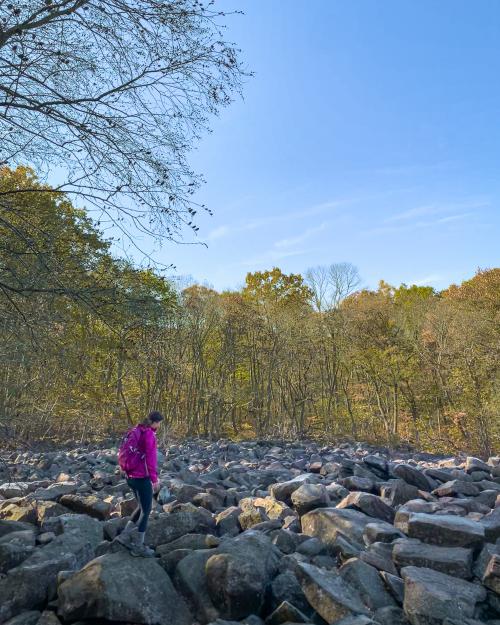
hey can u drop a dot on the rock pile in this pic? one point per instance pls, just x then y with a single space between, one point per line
253 533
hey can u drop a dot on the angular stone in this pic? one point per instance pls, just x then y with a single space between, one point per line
328 593
7 527
491 577
118 587
25 618
283 490
381 532
491 524
447 530
483 559
455 561
91 505
475 464
327 523
369 504
395 585
368 583
286 612
227 521
310 496
191 580
239 573
431 597
167 527
411 476
54 492
456 488
357 483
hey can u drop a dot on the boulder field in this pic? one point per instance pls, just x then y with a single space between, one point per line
259 533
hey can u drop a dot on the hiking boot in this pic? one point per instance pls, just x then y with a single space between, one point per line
133 542
141 551
128 537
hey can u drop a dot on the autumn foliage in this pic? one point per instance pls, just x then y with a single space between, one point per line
90 342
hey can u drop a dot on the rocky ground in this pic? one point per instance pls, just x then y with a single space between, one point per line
253 533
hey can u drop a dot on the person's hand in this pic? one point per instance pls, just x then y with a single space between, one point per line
156 487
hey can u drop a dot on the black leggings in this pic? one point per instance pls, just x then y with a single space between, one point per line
143 492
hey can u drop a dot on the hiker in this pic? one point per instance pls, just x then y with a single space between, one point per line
138 460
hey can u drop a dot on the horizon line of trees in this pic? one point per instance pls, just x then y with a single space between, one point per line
89 343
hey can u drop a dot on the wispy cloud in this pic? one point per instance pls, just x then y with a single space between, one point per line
226 230
433 278
218 233
271 256
290 242
438 209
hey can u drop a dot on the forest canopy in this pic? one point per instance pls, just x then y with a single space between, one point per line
89 343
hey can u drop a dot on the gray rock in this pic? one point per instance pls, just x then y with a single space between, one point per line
455 561
167 527
475 464
286 587
91 505
239 573
308 497
431 597
381 532
445 529
283 490
368 583
328 593
491 524
286 612
369 504
412 476
395 586
191 580
327 523
118 587
25 618
491 577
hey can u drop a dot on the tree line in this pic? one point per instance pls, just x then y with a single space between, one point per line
89 343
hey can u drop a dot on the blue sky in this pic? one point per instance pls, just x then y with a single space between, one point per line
369 134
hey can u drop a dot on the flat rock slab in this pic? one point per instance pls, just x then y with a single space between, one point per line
455 561
431 597
445 529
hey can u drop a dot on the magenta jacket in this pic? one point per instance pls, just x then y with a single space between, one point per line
147 445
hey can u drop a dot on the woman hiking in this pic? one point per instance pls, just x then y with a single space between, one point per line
138 460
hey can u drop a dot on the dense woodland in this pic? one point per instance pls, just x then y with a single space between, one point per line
89 343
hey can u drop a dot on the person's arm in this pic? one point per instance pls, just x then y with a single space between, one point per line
151 455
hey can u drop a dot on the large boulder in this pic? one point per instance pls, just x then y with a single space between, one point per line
445 529
29 585
328 593
310 496
455 561
91 505
491 577
118 587
368 583
431 597
283 490
412 476
191 580
327 523
239 573
167 527
369 504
